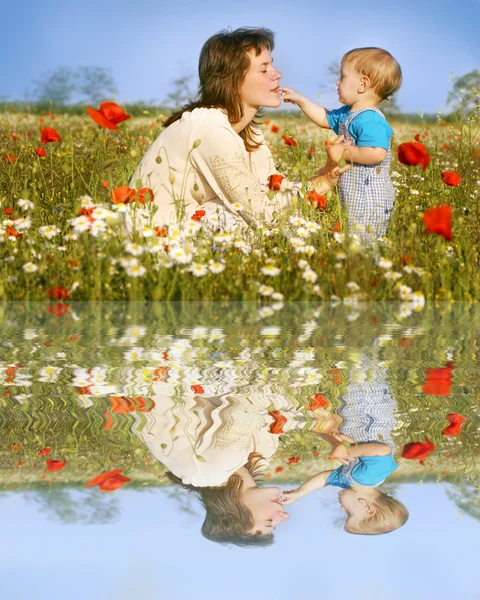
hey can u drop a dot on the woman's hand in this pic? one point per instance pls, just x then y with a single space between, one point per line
324 179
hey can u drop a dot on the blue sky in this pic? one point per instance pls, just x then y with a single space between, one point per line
155 551
148 43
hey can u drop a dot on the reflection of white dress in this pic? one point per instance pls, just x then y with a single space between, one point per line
201 159
205 452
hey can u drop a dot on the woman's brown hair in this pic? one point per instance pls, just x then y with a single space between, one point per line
222 67
227 519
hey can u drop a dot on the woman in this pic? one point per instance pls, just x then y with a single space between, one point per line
217 446
212 154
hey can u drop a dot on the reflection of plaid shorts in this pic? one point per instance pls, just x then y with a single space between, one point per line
366 191
368 409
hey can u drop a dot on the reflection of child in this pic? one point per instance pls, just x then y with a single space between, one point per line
365 466
367 76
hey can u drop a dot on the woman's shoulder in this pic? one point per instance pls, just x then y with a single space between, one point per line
208 116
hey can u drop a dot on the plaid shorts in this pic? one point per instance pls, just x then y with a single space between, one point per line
366 191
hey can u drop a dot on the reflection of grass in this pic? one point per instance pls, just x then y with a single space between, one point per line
87 157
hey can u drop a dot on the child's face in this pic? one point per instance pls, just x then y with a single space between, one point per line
348 85
355 505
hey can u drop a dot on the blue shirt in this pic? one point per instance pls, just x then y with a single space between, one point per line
367 129
366 470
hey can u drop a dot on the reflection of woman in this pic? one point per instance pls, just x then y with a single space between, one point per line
211 153
217 447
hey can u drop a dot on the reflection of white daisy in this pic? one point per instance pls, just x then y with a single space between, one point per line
49 374
265 311
134 354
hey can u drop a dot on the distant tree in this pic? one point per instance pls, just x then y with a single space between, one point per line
465 92
56 86
95 84
182 93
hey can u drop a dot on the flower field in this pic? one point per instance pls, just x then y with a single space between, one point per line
63 194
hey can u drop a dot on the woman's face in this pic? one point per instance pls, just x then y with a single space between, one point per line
266 508
261 84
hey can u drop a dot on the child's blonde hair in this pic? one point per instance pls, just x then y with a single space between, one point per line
390 514
379 66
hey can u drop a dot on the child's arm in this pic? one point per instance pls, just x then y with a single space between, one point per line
344 454
315 483
362 155
314 112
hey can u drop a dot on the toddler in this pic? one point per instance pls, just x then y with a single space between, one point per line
367 76
365 466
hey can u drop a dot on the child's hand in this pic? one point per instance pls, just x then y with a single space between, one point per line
291 496
340 453
335 152
291 95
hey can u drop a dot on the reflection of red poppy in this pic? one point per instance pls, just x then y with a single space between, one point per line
123 195
336 376
418 450
109 115
439 220
59 309
278 423
197 389
439 381
316 200
275 181
109 421
413 153
49 134
145 194
317 401
99 479
456 421
122 405
113 483
451 178
55 465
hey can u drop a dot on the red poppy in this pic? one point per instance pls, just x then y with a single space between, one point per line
266 122
99 479
317 401
160 231
290 141
59 309
293 460
59 293
418 450
109 115
123 195
145 194
275 181
312 150
278 423
451 178
15 447
113 483
278 469
417 137
9 211
55 465
11 159
109 421
49 134
14 137
439 220
44 451
439 381
40 152
413 153
197 215
105 184
317 200
274 128
456 421
197 389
